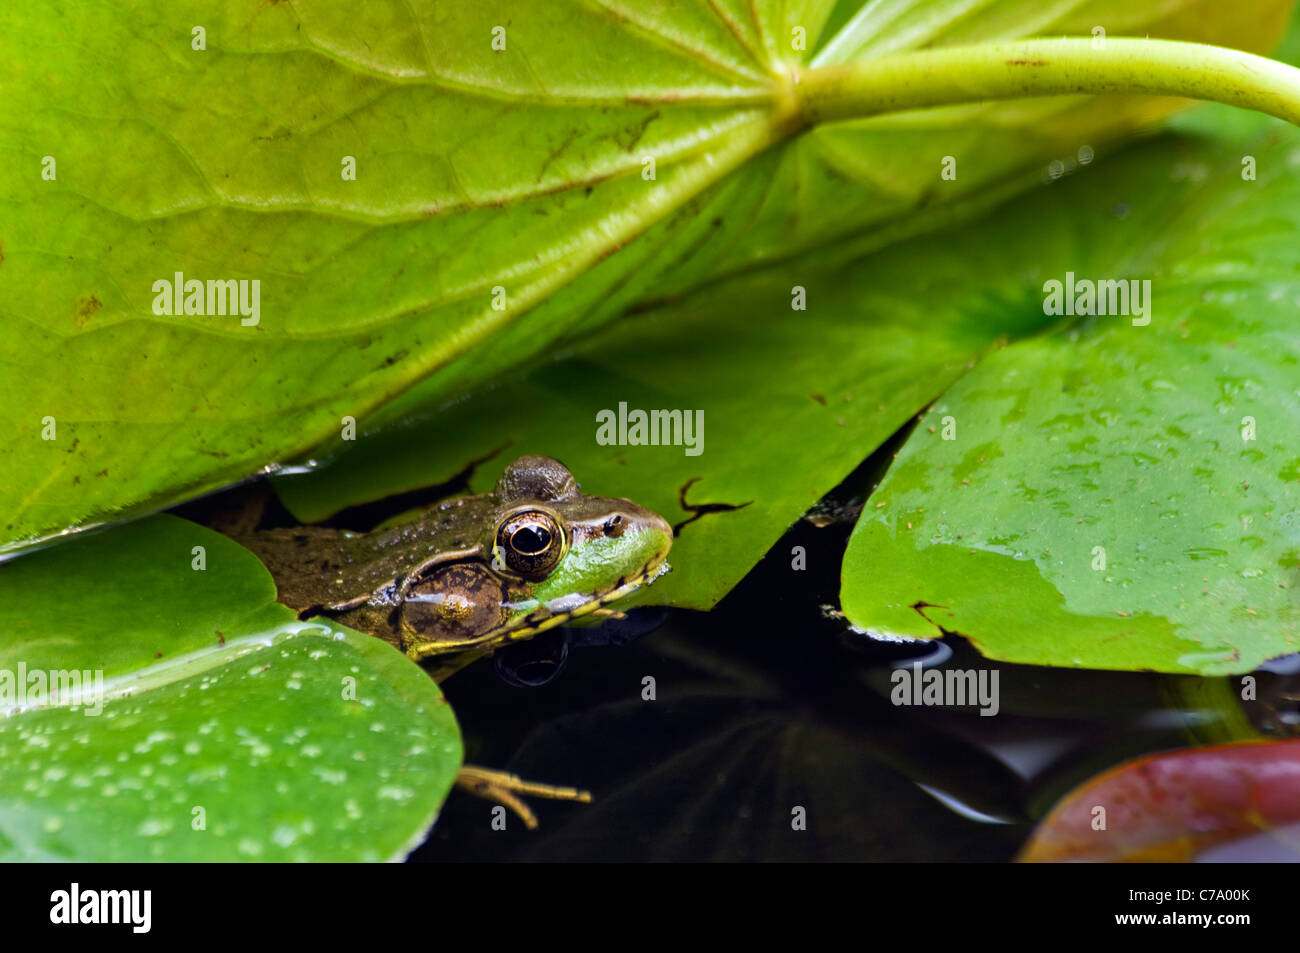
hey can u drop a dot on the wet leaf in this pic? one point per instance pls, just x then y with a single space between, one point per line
1174 805
150 140
1108 494
197 719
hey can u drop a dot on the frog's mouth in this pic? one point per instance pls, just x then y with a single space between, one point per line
557 611
579 604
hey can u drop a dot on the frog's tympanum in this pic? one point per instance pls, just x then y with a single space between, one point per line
460 579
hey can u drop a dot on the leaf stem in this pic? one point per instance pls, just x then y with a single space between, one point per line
966 74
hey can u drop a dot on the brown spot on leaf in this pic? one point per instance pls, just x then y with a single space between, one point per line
629 139
86 309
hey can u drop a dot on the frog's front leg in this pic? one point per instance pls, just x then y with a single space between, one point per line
604 614
505 788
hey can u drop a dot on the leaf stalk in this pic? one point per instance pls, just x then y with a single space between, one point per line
1053 67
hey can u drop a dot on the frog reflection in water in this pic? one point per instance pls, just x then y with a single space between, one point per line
456 581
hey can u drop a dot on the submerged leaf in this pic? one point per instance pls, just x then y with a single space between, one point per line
1173 806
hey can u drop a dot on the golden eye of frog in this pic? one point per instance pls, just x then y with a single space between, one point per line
457 580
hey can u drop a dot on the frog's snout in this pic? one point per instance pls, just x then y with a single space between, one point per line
655 527
621 537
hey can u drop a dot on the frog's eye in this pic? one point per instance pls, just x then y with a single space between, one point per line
531 542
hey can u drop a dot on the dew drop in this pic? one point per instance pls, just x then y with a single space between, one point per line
154 827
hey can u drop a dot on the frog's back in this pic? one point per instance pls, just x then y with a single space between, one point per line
317 566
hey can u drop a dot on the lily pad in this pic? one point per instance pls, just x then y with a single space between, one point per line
1114 494
1174 805
187 716
428 192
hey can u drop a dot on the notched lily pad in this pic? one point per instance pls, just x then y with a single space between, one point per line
1118 494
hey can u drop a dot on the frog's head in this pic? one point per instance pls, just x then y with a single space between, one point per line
575 553
547 554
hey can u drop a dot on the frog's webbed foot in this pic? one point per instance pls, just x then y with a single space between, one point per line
505 788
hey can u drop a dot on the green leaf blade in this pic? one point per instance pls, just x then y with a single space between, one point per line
204 721
477 169
1119 496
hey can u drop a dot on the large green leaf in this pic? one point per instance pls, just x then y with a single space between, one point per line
224 730
881 339
475 169
791 400
1110 495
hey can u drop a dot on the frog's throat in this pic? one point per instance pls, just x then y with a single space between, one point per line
542 618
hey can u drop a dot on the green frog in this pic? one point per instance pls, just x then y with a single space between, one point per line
456 581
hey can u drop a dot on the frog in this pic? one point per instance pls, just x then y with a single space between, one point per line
458 580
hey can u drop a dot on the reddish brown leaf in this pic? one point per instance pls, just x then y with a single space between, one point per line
1173 805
